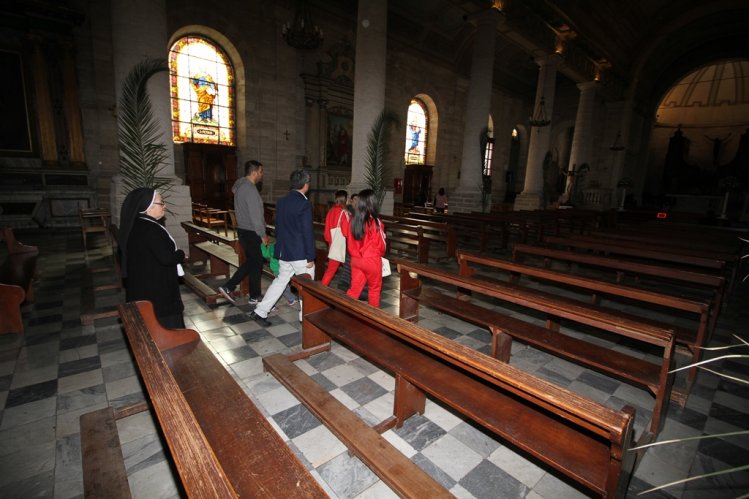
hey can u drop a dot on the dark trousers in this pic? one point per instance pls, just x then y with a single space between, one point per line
252 266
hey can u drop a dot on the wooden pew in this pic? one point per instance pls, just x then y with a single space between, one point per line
208 217
218 253
470 232
704 262
406 240
220 442
577 437
692 284
17 273
695 338
651 376
440 234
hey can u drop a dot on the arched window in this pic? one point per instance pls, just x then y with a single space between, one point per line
416 133
202 89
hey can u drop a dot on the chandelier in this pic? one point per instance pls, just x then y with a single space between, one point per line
539 118
302 33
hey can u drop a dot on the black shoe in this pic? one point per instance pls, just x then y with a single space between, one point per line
263 321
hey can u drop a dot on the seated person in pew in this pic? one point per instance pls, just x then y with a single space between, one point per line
151 262
365 241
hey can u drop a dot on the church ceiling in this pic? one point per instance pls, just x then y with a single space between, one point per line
651 42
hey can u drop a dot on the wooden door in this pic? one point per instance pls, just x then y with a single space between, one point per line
211 172
417 184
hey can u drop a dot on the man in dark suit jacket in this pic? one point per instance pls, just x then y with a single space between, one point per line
295 243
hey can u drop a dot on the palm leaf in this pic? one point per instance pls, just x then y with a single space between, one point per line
374 173
142 154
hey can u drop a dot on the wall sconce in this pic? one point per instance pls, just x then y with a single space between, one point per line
539 119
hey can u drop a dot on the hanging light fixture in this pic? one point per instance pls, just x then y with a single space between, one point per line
302 33
539 119
617 145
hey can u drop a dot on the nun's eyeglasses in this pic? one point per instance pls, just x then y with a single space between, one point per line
160 204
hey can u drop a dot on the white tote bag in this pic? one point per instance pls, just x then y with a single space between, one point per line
337 250
385 262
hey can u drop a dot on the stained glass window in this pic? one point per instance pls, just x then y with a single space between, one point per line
416 133
202 88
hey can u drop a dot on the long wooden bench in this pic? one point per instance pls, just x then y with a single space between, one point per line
387 462
220 442
441 235
470 232
691 284
197 235
577 437
643 252
17 274
406 241
694 337
653 376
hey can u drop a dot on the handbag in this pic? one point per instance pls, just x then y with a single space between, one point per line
385 267
385 262
337 250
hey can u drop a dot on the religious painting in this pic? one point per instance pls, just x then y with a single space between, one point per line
202 88
15 131
340 130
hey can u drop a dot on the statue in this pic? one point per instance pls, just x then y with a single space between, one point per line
717 145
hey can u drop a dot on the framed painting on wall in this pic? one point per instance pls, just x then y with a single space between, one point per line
340 129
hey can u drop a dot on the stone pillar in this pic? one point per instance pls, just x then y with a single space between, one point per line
467 197
369 83
625 109
72 108
582 141
540 137
44 112
139 31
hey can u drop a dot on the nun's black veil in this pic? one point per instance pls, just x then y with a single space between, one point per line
137 201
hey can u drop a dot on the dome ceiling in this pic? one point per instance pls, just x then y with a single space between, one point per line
717 94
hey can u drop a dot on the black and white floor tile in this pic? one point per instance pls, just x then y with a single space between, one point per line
60 369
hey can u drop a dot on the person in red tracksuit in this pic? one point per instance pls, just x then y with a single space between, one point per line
336 213
365 241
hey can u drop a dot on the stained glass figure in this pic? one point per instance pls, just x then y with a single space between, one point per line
416 133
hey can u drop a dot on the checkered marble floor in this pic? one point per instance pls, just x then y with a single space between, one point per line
60 369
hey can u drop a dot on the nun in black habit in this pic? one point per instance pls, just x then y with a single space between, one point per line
150 259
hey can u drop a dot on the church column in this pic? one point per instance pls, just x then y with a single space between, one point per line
72 107
540 137
582 141
467 197
44 112
369 82
139 31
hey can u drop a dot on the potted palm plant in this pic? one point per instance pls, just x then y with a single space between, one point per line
374 173
142 153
